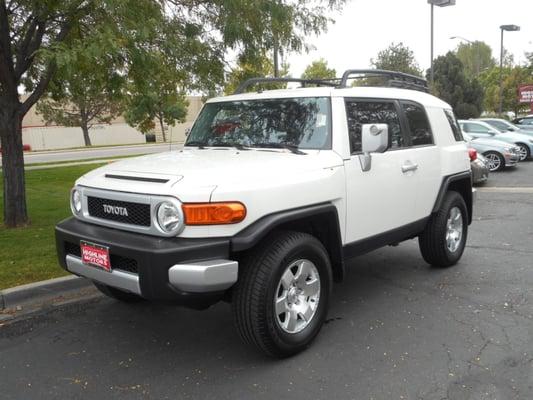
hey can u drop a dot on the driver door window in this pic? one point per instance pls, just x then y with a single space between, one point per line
361 112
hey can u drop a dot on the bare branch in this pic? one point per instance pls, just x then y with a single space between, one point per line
39 89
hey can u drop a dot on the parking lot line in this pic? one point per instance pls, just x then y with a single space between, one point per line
520 190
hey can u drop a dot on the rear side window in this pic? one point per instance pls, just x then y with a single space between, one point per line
457 134
418 123
475 128
372 112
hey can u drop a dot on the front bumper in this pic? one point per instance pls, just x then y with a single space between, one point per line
511 159
192 272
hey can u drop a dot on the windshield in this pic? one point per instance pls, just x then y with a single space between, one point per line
501 126
297 122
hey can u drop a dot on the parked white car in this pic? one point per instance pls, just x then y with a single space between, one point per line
273 192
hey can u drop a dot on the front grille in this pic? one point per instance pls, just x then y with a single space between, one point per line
117 262
136 213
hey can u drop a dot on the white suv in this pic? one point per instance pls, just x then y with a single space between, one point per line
272 193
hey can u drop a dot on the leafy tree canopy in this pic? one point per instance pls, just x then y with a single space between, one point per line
464 94
397 57
512 78
319 70
253 66
476 57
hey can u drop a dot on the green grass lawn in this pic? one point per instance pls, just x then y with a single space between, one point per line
28 254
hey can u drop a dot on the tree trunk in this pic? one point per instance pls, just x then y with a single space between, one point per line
162 129
86 136
15 210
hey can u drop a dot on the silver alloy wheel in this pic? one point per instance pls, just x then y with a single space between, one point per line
297 296
522 152
494 161
454 229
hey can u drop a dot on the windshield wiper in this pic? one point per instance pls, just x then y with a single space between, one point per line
291 147
238 146
196 143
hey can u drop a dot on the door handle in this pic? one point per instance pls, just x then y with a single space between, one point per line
409 167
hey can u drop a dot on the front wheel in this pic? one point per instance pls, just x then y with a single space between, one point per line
496 162
524 152
281 299
443 241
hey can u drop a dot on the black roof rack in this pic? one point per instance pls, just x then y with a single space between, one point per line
395 79
318 82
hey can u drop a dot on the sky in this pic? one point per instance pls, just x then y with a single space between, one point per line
364 27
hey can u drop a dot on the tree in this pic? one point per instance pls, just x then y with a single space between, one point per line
156 97
397 57
512 78
253 66
83 92
464 94
319 70
38 37
476 57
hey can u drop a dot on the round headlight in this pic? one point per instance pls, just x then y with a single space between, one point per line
168 217
75 201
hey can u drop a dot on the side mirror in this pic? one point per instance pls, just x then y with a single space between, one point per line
374 139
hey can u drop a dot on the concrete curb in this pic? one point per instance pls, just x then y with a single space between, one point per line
41 292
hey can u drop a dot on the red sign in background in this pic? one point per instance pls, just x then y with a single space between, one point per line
525 94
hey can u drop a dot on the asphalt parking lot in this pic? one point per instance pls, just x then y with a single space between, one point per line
397 329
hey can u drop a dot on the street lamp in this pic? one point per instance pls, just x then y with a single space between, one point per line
438 3
509 28
478 58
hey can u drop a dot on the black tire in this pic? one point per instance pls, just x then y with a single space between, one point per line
432 241
257 288
527 151
500 157
118 294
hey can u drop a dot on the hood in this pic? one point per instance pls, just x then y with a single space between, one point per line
200 170
491 143
515 137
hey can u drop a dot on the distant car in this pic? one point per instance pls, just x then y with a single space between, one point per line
479 166
480 129
498 154
525 123
505 126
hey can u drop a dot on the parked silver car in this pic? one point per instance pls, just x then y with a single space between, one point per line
505 126
525 123
480 129
498 154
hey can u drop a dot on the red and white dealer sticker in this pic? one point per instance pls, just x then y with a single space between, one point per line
96 255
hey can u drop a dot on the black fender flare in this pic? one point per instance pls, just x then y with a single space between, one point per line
322 218
462 182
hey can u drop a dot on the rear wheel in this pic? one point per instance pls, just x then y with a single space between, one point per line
524 152
496 162
443 241
281 299
118 294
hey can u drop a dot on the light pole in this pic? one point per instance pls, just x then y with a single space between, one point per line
509 28
478 57
438 3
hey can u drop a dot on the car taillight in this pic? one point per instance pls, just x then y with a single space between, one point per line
472 153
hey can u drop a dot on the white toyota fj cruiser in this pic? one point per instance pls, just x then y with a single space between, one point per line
271 194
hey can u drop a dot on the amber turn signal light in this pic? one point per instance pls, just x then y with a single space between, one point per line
213 213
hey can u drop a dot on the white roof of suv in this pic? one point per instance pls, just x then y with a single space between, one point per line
359 91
